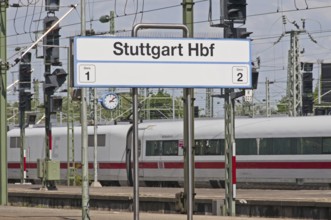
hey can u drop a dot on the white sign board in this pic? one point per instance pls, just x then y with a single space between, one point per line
158 62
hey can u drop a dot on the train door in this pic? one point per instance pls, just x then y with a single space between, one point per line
129 156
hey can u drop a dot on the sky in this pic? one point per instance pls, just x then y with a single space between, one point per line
264 18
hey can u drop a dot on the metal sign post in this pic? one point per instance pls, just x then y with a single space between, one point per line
230 154
135 114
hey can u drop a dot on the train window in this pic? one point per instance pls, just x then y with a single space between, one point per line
169 148
216 147
162 148
311 145
246 147
286 146
209 147
101 140
266 146
153 148
279 146
200 145
139 148
15 142
326 146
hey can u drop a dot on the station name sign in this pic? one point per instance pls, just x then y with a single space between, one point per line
158 52
160 62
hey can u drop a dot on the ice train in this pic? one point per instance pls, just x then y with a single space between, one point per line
269 150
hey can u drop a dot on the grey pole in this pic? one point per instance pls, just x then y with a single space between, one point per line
319 61
188 124
135 154
112 23
188 142
95 154
3 103
230 154
267 96
22 145
294 78
85 185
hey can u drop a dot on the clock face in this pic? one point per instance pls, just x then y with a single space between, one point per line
110 101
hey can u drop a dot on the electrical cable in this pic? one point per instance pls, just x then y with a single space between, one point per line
136 12
126 4
14 22
295 4
306 4
210 13
26 16
30 27
115 8
142 11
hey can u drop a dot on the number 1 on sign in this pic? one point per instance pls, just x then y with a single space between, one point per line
87 73
88 76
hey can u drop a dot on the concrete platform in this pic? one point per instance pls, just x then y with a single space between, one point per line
308 204
10 212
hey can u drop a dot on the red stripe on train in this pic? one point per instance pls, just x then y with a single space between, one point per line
198 165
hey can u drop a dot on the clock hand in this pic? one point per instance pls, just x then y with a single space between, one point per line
112 99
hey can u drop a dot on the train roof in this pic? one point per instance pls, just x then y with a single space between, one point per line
310 126
37 131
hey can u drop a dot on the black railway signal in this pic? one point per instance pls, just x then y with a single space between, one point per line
52 5
307 88
51 42
25 100
236 10
53 82
236 33
25 76
25 71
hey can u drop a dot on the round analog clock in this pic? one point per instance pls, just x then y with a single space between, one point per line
110 101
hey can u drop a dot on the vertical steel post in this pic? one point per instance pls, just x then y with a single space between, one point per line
85 181
36 94
320 62
208 107
188 153
22 146
112 23
95 136
230 144
294 82
267 96
46 184
230 155
135 154
71 166
188 125
3 103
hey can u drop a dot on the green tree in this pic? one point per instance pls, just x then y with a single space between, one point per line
160 106
282 106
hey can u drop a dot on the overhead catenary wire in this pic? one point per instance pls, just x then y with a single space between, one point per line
179 5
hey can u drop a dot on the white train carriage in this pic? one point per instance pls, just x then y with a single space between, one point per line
286 150
111 141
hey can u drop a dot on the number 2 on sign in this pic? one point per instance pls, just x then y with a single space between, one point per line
240 75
